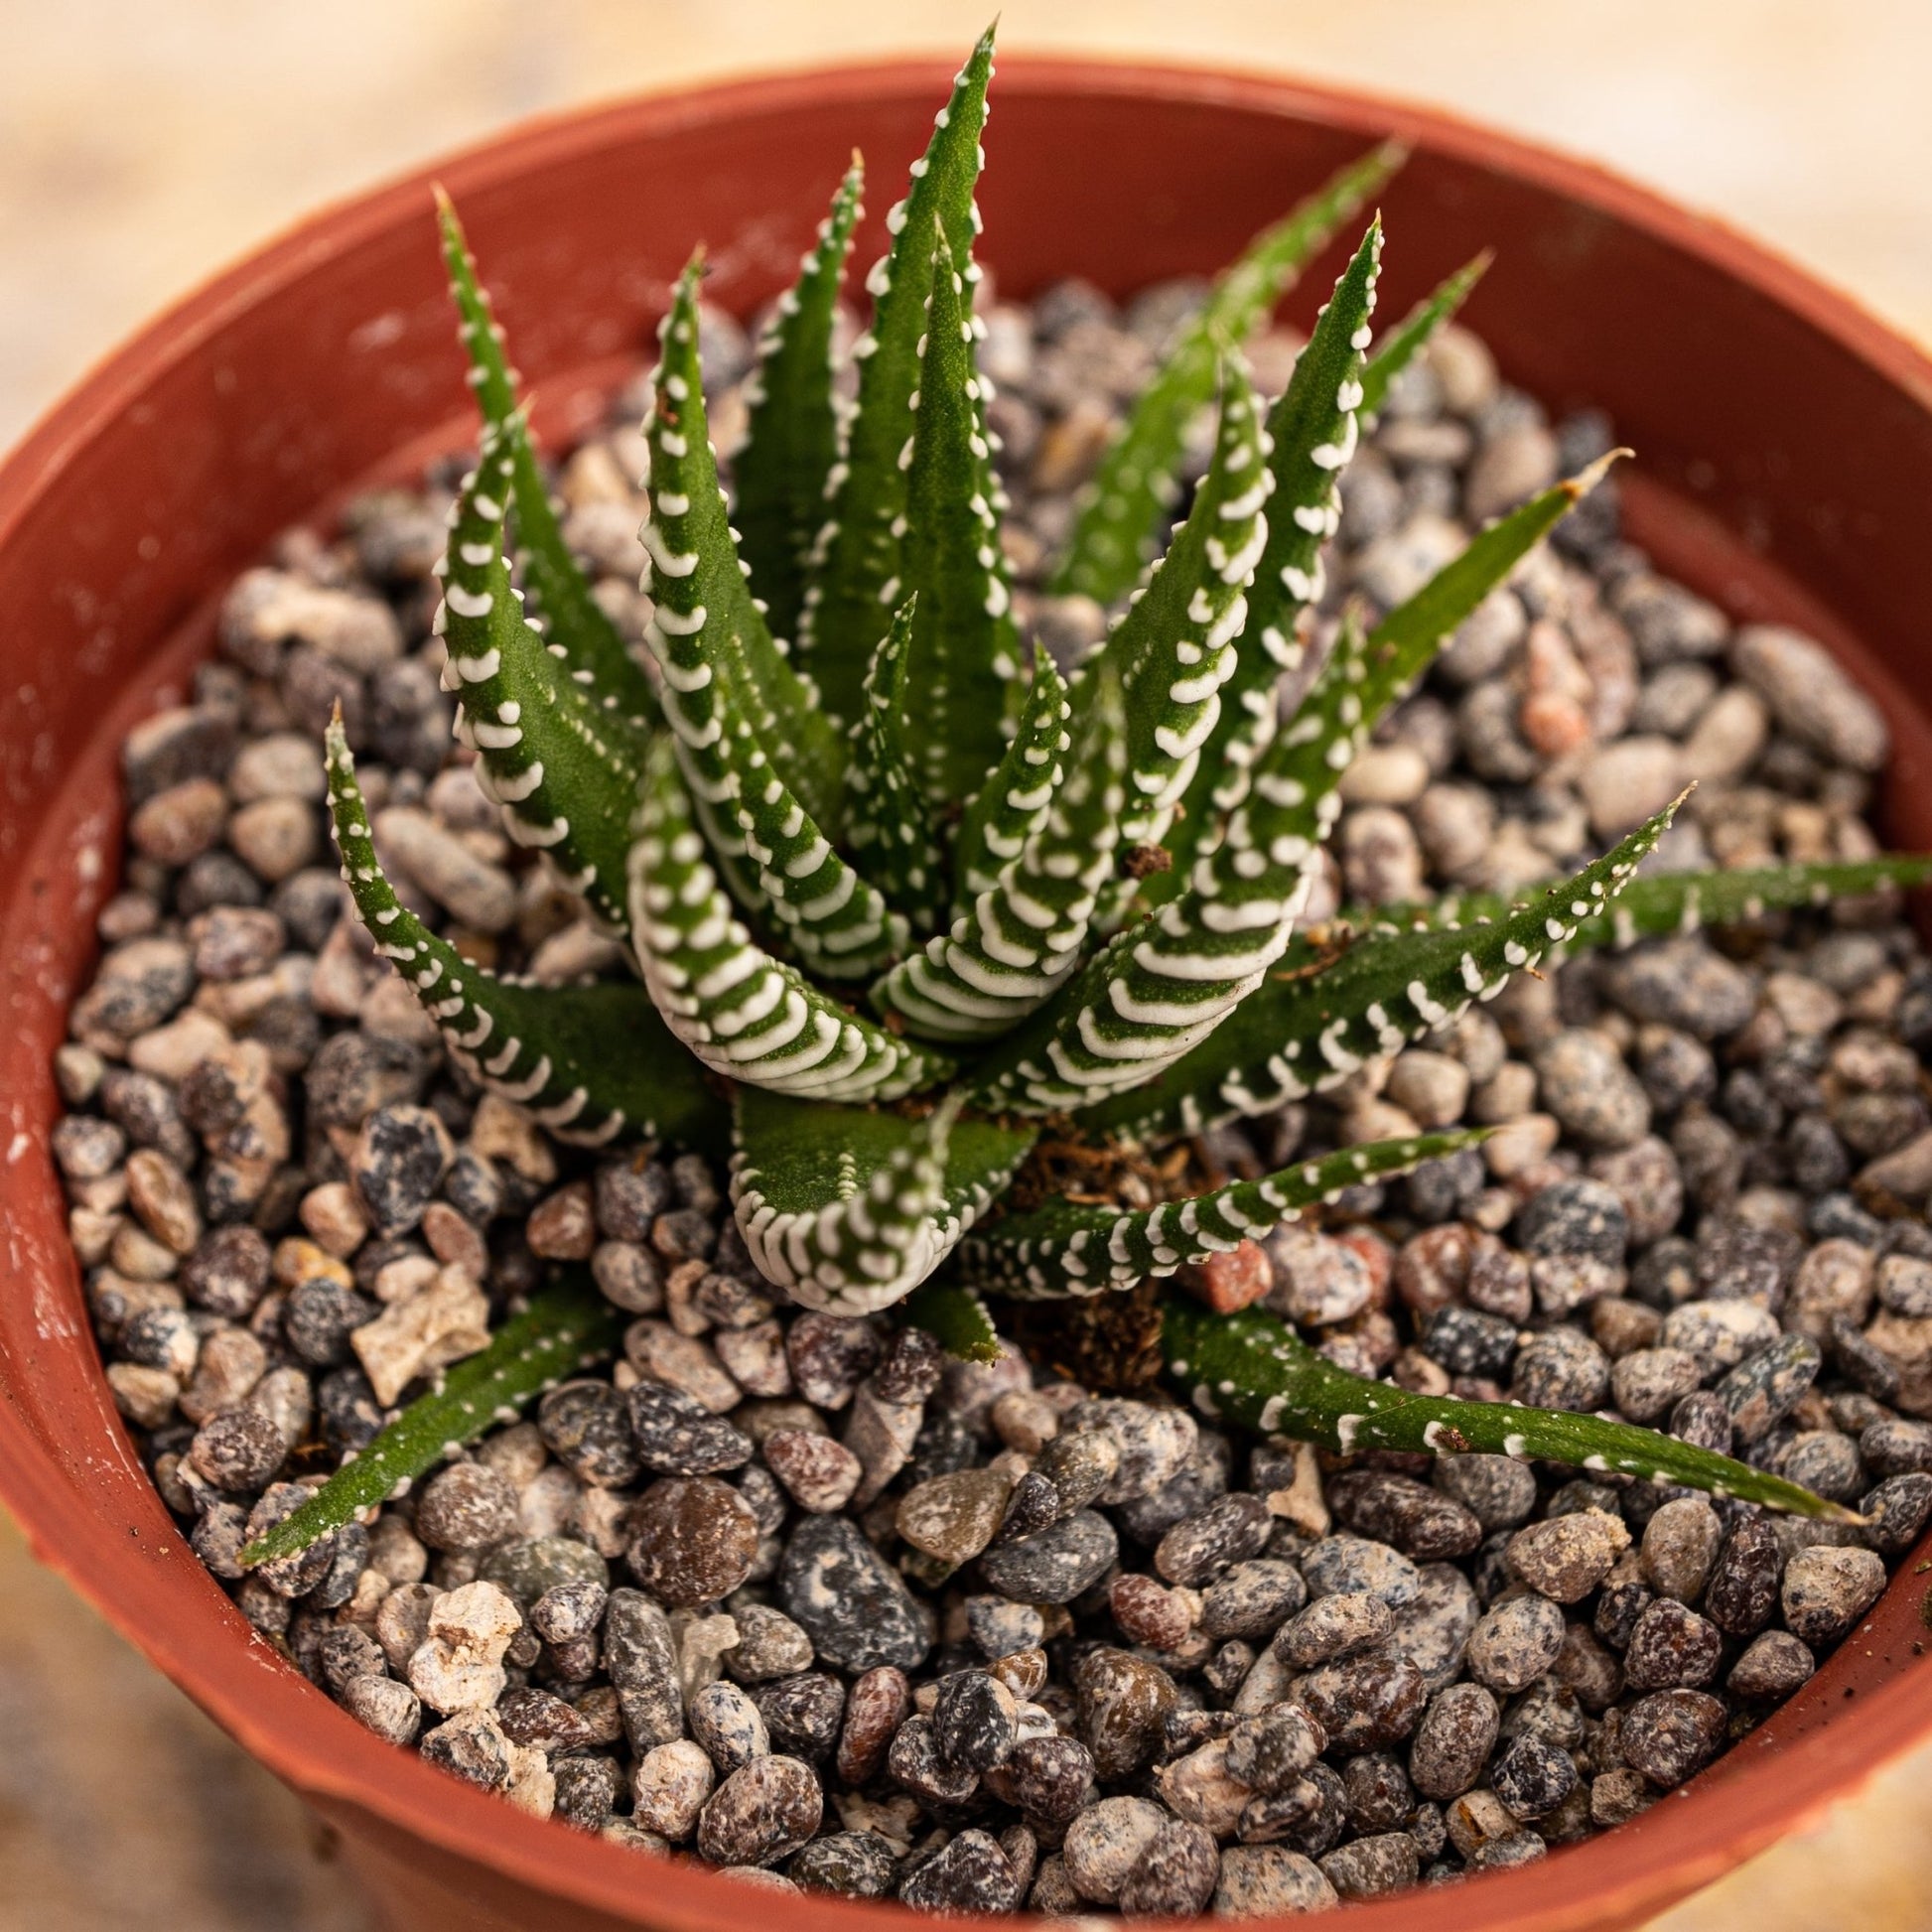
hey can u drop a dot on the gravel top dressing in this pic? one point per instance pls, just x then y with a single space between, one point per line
810 1599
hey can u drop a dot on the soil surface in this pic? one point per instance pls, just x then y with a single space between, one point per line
802 1597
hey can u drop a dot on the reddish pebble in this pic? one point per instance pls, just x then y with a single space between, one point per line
819 1472
1149 1613
874 1711
1227 1281
563 1227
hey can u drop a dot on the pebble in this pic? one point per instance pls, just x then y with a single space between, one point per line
1175 1876
762 1811
459 1665
1199 1548
275 837
1773 1665
1625 783
973 1722
1810 696
1671 1646
1453 1740
562 1227
875 1707
857 1864
969 1875
829 1357
1080 1465
669 1788
726 1725
953 1518
466 1506
1149 1613
1049 1779
239 1451
1318 1281
1366 1868
1826 1591
692 1541
1364 1703
1151 1445
1106 1841
914 1761
1120 1700
855 1611
1567 1557
1251 1600
389 1709
820 1473
1680 1548
585 1424
1055 1566
1670 1734
1409 1516
400 1156
1340 1564
1272 1752
444 1322
1270 1882
677 1435
1516 1642
1583 1082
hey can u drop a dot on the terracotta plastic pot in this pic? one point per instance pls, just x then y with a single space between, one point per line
1785 464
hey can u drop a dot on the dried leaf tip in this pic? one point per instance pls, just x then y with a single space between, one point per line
1585 479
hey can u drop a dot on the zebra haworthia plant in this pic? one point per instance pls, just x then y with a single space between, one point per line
901 896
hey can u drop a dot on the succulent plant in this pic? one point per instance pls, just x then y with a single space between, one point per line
903 898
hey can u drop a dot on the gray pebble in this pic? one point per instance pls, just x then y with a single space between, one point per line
1057 1565
854 1607
1516 1642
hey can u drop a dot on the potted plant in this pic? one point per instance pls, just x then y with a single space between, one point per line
426 1839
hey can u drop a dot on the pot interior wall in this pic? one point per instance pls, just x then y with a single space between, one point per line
1784 454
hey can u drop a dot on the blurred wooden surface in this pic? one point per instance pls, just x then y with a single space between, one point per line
141 146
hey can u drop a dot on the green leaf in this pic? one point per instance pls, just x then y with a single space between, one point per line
563 770
1404 645
1413 334
1134 482
857 556
1350 693
886 821
1312 430
706 620
1255 1369
565 1328
964 644
594 651
849 1209
1024 933
956 1319
793 437
1062 1248
744 1014
1172 650
1314 1022
591 1062
1163 987
1012 803
1659 904
736 744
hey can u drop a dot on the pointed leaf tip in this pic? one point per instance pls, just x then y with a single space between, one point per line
1585 479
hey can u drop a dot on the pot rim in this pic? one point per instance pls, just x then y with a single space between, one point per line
333 1759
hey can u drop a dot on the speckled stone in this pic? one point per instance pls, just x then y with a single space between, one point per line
855 1611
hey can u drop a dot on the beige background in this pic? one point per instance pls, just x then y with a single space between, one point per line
142 144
